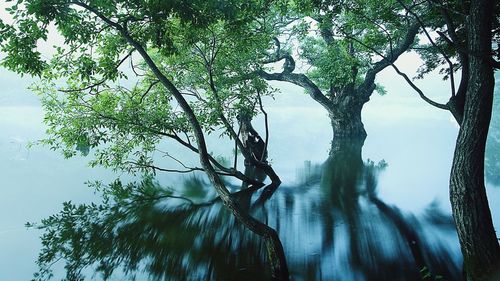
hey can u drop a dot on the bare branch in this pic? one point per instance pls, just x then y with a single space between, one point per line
156 168
422 25
266 124
420 93
300 80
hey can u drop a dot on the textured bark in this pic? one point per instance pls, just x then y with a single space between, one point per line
345 118
471 212
456 107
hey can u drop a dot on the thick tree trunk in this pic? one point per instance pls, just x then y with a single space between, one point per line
467 190
346 121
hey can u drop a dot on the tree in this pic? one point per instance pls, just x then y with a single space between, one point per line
467 190
340 42
180 66
466 30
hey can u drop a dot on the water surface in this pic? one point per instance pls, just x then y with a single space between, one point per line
378 211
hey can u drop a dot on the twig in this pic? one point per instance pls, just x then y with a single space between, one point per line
266 125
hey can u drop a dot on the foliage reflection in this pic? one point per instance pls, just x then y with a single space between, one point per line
332 224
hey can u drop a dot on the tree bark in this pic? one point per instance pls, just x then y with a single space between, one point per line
471 212
345 117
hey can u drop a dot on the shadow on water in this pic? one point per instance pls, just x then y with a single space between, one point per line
363 237
332 224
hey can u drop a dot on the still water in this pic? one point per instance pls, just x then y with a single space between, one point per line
372 211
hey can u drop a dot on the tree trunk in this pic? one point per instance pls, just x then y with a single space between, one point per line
277 259
345 118
471 212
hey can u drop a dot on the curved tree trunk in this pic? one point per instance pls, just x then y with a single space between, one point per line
467 190
274 247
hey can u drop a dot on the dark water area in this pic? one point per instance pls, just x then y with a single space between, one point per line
332 223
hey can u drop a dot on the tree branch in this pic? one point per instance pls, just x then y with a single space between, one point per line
90 87
300 80
421 23
154 168
420 93
266 124
394 54
384 62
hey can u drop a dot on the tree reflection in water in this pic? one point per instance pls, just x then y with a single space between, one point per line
332 225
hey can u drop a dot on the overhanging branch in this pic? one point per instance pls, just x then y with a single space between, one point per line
300 80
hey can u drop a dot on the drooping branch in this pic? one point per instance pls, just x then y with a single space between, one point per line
300 80
424 29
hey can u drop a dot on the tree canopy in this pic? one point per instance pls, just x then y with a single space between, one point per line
177 49
99 94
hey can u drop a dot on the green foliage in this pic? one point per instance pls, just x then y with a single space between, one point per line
446 24
341 41
427 275
97 104
119 123
332 62
217 65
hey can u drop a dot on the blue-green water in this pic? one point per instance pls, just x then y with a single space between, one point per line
342 217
